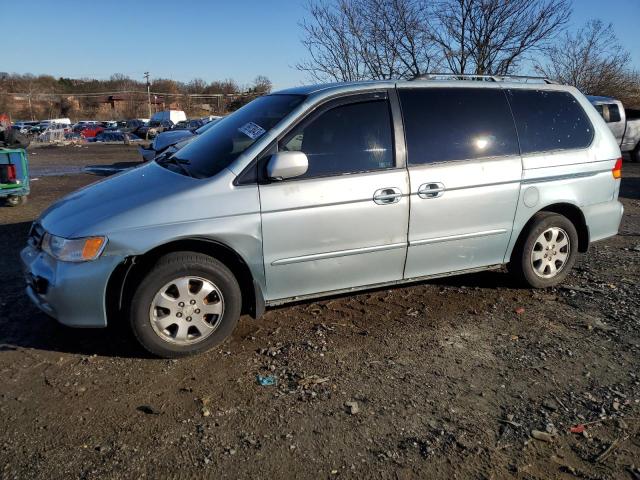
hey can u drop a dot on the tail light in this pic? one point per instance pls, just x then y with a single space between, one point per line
617 170
11 173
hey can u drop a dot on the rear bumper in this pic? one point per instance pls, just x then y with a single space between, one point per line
12 192
72 293
603 219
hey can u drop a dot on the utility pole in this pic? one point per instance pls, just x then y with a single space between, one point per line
146 76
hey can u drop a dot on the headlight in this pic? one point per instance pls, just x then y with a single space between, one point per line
74 250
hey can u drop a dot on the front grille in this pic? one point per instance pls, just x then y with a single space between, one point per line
35 235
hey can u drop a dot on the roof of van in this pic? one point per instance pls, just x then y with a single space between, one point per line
362 85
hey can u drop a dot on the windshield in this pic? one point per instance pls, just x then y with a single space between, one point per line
225 141
207 126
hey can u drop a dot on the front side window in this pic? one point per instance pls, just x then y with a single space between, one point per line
549 120
225 141
345 139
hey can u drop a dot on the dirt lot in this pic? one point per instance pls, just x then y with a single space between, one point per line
449 377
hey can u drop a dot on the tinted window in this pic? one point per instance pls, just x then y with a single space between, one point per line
549 121
220 145
600 110
444 124
614 113
346 139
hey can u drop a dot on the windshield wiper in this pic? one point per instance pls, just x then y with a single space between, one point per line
181 164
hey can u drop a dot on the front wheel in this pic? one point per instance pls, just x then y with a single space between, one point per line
188 303
547 252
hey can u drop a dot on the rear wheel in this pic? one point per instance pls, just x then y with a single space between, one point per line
15 201
547 252
635 154
188 303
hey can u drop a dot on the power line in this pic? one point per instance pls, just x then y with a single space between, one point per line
137 92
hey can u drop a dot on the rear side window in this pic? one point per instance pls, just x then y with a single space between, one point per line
548 120
345 139
444 124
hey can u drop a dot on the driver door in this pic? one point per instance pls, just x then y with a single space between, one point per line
342 224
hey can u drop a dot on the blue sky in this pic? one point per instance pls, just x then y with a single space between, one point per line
183 39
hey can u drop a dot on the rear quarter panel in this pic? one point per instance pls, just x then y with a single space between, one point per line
577 177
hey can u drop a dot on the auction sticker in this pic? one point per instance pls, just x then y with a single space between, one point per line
252 130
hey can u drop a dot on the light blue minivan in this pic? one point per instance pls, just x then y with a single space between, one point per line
327 189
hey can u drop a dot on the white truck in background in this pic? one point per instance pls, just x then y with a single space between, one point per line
623 122
174 116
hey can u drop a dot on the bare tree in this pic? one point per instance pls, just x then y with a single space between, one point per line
352 40
495 36
197 85
592 60
331 44
381 39
261 85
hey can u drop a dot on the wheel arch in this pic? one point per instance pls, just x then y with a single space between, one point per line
568 210
129 272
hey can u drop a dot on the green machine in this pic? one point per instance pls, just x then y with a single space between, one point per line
14 176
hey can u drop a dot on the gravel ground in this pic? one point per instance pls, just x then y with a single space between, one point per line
466 377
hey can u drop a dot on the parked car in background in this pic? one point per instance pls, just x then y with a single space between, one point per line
329 189
53 133
90 131
36 129
192 124
172 138
173 116
83 123
153 128
57 121
114 136
623 122
134 124
24 127
45 126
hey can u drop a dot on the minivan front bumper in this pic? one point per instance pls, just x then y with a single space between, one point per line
72 293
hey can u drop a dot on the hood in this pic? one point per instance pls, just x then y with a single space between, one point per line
115 202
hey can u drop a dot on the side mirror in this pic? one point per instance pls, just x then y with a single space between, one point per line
284 165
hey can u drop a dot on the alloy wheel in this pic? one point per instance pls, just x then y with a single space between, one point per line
186 310
550 252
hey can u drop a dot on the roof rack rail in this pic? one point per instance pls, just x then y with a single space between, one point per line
483 78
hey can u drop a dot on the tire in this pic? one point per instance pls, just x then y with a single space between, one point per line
16 201
179 331
529 262
635 154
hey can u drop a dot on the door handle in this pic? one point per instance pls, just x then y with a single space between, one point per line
386 196
431 190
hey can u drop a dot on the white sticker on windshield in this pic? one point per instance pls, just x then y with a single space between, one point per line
252 130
